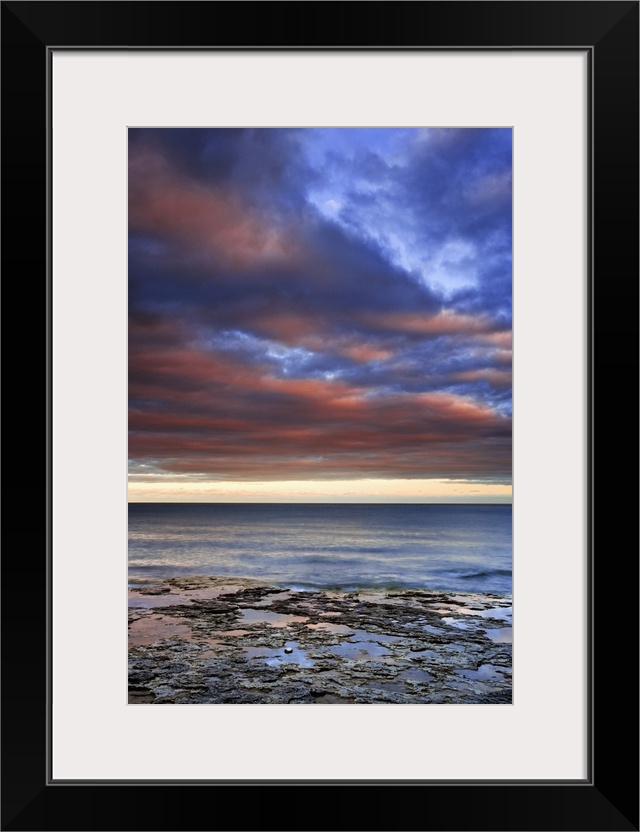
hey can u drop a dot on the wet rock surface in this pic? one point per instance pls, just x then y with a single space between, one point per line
216 640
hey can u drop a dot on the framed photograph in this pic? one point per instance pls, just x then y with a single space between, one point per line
520 120
320 462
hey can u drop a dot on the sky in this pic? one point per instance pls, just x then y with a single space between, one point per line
320 315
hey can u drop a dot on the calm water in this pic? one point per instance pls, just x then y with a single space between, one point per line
452 547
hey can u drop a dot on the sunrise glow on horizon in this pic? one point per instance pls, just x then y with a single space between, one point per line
310 491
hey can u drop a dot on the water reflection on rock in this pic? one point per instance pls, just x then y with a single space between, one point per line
215 640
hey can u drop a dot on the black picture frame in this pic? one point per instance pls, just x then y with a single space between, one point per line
608 798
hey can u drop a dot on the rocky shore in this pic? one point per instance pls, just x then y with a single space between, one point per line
217 640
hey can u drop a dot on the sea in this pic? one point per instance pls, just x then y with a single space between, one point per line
459 548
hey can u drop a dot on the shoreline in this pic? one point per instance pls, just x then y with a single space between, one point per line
240 640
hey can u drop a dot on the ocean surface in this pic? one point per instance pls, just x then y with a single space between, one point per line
450 547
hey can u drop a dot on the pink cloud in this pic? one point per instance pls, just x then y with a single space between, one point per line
211 218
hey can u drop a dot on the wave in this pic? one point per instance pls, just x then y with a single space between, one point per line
482 573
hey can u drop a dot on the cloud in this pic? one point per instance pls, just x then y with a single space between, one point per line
226 419
272 338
